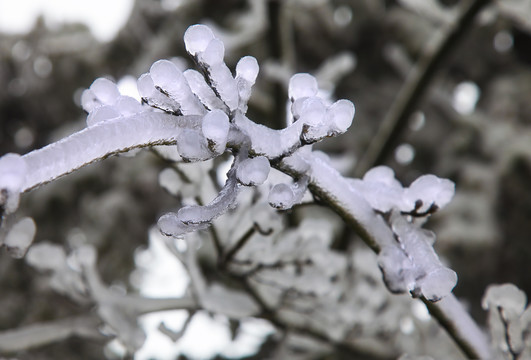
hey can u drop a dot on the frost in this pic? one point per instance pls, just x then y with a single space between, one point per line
20 237
251 172
13 169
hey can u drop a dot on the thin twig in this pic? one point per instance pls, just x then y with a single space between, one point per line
416 83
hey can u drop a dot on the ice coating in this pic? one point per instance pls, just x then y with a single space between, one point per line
215 129
254 171
247 69
203 91
105 90
283 196
302 85
341 113
213 54
506 296
430 190
20 237
154 98
102 113
192 146
167 76
197 38
13 171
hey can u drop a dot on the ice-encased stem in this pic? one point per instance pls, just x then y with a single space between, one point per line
102 140
334 190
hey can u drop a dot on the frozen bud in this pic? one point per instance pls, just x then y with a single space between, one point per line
13 171
302 85
313 111
46 256
214 53
430 190
438 284
507 297
166 75
382 174
103 113
341 114
89 101
253 171
20 237
197 38
281 196
105 90
247 69
215 129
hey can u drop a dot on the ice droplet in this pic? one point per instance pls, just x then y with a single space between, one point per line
105 90
281 196
197 38
302 85
341 113
247 68
253 171
20 237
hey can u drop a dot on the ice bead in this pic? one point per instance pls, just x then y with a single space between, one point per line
20 237
46 256
13 170
247 68
438 284
215 129
302 85
281 196
253 171
102 113
341 113
313 111
197 38
105 90
431 190
507 297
